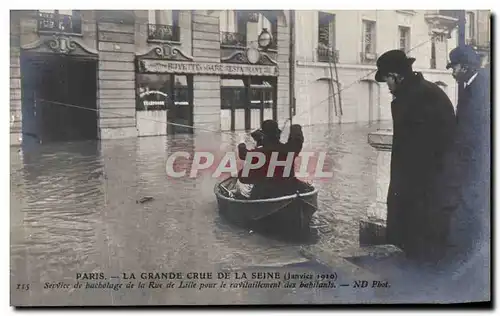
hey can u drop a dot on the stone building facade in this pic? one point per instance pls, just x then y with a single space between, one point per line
132 71
333 58
183 62
336 64
478 32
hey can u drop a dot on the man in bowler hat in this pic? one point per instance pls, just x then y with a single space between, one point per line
470 225
423 128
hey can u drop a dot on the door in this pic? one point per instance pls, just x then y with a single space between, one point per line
262 101
181 108
32 72
234 103
60 97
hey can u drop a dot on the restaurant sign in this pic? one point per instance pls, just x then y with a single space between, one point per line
167 66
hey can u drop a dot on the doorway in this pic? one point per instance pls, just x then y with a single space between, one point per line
181 109
168 93
59 97
247 101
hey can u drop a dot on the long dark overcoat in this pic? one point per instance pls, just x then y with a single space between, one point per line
423 131
470 223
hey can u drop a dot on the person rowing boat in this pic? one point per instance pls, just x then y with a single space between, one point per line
262 183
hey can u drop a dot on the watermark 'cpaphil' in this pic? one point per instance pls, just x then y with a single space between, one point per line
308 165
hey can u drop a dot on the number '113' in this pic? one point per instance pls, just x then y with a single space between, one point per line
24 287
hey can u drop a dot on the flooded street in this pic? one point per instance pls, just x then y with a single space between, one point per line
74 209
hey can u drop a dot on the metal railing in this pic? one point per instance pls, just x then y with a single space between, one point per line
326 54
59 23
233 39
368 57
161 32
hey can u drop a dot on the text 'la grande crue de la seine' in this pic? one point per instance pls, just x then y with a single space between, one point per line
206 281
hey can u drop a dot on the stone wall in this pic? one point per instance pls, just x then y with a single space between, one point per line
116 98
15 80
206 48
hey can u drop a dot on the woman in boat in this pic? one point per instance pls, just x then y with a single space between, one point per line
279 183
243 190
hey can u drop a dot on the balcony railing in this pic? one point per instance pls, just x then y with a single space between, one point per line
328 55
59 23
233 39
161 32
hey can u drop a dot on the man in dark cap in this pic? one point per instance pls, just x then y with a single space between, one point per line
470 229
423 127
268 141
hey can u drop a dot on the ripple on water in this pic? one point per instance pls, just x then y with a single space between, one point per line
74 205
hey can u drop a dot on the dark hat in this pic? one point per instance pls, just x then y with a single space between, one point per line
393 61
465 55
270 128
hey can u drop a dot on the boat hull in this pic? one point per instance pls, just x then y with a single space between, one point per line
289 215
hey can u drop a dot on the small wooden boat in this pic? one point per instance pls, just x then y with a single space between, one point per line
290 214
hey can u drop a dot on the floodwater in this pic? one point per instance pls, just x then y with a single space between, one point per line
74 209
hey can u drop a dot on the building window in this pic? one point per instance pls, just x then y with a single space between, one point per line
368 45
163 25
233 28
228 21
161 91
369 37
404 38
59 21
261 95
153 92
469 26
271 25
233 94
326 36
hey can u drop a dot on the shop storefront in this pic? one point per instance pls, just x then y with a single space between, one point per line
163 97
246 102
248 93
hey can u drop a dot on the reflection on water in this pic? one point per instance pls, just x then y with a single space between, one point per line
73 208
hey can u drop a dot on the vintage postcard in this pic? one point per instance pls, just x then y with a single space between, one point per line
249 157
